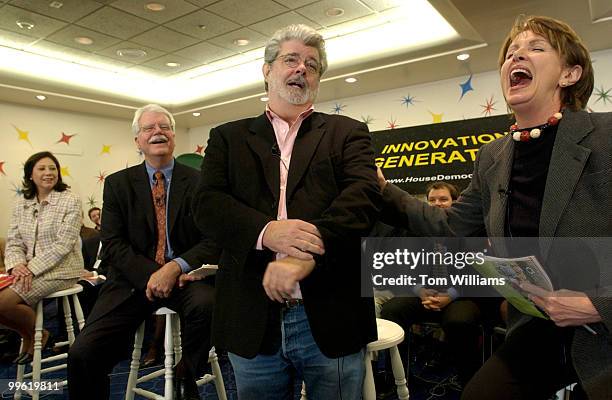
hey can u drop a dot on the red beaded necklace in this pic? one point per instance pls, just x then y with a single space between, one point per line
526 135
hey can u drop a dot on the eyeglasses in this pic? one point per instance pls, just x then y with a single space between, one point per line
292 60
151 128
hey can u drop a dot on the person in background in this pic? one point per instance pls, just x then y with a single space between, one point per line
43 250
91 280
95 215
550 177
87 232
459 316
287 196
150 243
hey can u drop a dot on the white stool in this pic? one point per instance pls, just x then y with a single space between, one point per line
37 361
390 335
173 354
565 393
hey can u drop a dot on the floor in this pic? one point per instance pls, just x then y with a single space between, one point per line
425 381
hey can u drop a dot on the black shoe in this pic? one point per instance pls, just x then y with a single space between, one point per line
23 358
185 389
385 386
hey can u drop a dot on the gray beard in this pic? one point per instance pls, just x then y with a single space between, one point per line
294 95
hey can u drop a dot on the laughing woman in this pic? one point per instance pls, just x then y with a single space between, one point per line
43 250
550 178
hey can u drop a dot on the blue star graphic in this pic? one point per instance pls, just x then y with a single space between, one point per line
17 189
408 100
466 87
338 108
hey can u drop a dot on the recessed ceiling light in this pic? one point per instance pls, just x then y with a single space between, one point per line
173 64
41 97
25 24
334 12
155 7
241 42
463 56
131 53
264 98
196 114
350 80
83 40
202 26
56 4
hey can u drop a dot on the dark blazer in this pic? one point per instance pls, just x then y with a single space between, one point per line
577 203
89 247
129 232
331 184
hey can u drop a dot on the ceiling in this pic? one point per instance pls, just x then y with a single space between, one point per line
200 36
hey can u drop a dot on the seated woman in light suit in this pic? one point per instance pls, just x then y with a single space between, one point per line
43 250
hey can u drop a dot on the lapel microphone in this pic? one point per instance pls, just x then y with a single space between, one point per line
275 150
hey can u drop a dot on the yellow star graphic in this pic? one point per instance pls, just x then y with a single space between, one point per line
437 118
65 172
106 149
23 135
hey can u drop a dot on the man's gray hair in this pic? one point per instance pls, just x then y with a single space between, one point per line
150 108
303 33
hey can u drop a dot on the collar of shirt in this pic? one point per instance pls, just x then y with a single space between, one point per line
52 198
166 170
305 114
284 133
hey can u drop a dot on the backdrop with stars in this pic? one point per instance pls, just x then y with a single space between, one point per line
89 148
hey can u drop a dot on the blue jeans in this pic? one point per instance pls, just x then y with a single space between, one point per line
273 377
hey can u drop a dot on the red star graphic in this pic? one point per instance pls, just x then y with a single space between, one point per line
488 107
199 149
2 168
65 138
101 176
392 124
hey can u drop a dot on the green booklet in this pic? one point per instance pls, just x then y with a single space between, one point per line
516 271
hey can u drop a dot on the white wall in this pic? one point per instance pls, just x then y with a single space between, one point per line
83 157
441 97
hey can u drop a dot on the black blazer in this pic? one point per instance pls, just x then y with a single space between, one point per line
89 248
129 232
331 184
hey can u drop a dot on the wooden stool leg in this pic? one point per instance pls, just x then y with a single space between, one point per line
369 391
68 318
216 370
20 372
135 364
169 359
398 373
36 364
176 337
